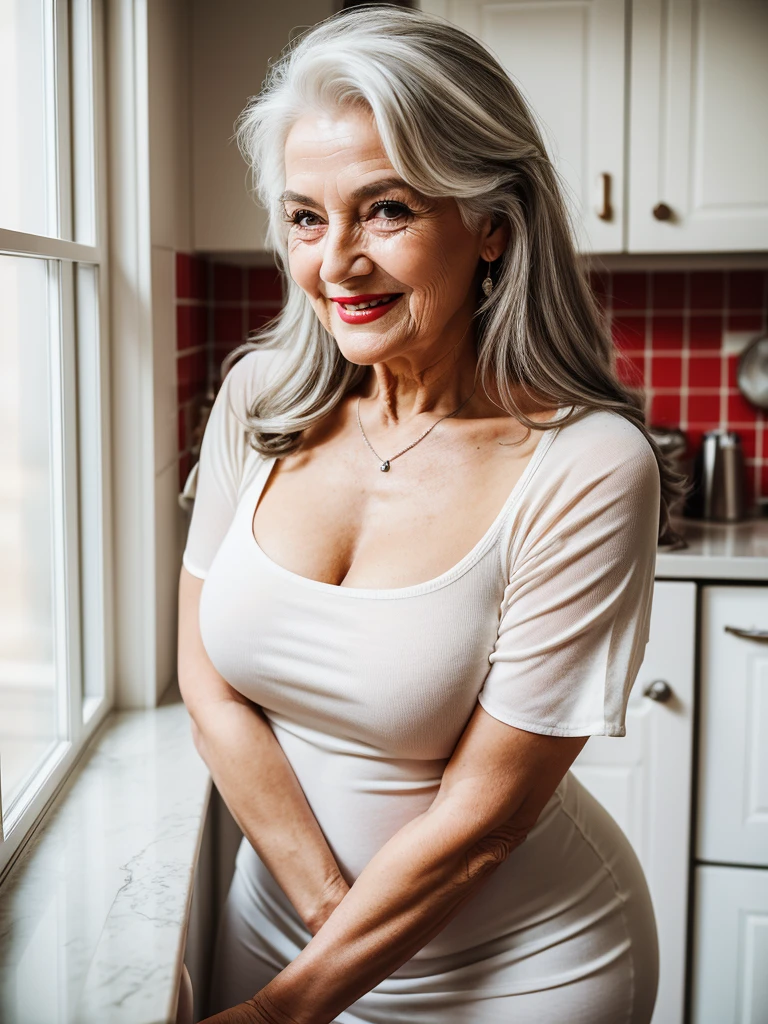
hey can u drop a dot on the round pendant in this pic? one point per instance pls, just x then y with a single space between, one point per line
384 467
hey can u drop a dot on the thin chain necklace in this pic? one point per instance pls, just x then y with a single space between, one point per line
385 463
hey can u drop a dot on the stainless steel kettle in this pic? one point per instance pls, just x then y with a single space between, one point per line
719 479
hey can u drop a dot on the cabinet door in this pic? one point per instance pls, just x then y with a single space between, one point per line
733 753
698 126
644 779
568 59
730 950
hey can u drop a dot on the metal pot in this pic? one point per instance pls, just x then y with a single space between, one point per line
719 479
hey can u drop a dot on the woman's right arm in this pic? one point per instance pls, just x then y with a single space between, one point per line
253 776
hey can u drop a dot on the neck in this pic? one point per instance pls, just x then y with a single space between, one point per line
404 387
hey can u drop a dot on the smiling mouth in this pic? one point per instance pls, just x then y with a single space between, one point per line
355 307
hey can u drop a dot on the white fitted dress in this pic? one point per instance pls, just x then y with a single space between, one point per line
544 622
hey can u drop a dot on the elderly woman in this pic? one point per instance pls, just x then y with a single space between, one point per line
426 517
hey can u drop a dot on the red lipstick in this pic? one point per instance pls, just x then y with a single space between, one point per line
363 316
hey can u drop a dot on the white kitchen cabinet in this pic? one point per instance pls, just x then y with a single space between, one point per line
730 954
644 778
698 126
569 60
733 753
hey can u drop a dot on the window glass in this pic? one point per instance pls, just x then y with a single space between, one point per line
28 690
27 116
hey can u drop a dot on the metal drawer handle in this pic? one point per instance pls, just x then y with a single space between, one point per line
604 209
748 634
659 690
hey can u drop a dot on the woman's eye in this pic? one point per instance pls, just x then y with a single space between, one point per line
393 212
386 211
299 216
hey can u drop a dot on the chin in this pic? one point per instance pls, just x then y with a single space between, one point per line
367 346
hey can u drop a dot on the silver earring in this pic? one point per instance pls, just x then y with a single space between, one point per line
487 284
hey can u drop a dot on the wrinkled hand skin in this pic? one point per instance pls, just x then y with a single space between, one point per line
257 1010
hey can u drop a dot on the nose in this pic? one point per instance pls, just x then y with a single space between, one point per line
342 256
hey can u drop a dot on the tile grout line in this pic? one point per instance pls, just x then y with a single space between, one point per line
686 354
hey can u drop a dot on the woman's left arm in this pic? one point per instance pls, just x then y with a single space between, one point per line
493 790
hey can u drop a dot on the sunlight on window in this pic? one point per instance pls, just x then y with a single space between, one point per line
27 638
26 115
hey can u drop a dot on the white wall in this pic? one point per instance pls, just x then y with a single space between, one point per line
232 41
150 201
170 196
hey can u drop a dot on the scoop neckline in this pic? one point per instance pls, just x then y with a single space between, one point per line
252 495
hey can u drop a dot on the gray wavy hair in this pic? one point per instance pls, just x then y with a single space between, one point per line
453 124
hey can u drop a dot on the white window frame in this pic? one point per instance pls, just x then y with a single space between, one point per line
81 437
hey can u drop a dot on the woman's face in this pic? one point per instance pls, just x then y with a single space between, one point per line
354 234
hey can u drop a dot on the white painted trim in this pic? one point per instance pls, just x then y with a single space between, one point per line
21 243
132 356
99 380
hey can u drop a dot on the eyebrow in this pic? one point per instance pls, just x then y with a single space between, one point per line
370 191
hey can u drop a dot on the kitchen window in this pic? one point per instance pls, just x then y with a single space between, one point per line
55 685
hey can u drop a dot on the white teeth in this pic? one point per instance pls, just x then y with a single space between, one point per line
367 305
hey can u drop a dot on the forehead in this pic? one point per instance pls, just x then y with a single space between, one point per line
341 145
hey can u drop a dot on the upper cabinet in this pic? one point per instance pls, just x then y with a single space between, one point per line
698 126
654 112
685 171
568 60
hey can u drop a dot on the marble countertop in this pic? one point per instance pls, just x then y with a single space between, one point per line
93 915
717 551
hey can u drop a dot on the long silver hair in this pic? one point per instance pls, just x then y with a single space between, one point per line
452 123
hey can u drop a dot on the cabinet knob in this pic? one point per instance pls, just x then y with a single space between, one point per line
658 690
662 212
748 634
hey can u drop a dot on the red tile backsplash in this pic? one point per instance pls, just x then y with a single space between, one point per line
629 332
191 277
665 409
678 335
699 321
746 289
217 304
229 325
228 283
704 370
667 332
705 332
667 371
668 290
631 369
704 408
744 321
629 291
706 289
264 285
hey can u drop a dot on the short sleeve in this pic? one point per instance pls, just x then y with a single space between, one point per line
223 454
576 611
